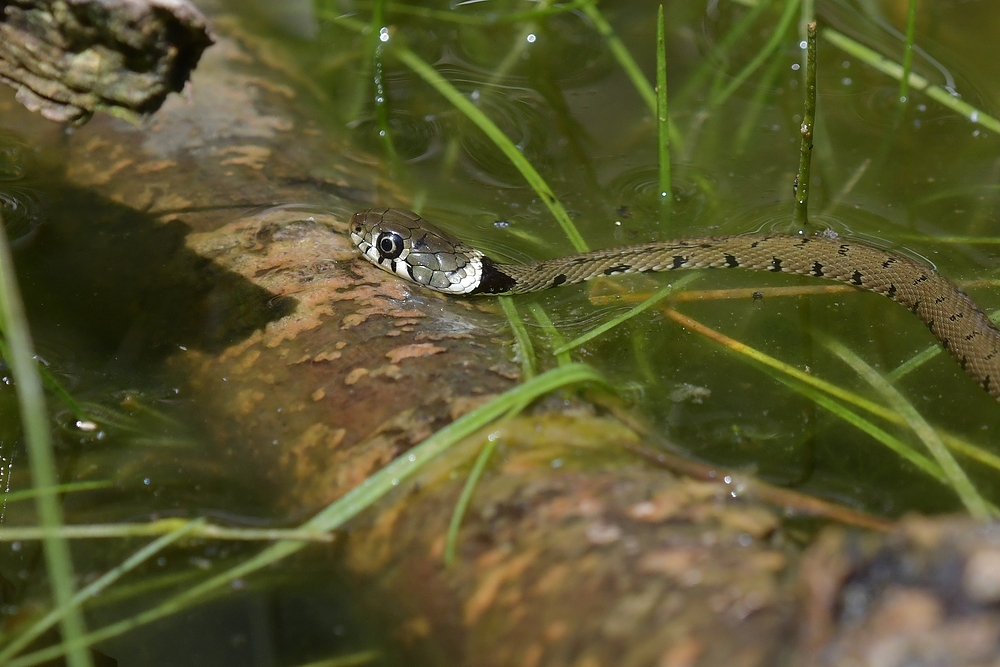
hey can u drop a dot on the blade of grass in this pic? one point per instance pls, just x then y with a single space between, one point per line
526 351
716 57
612 323
341 511
911 29
451 542
780 30
917 82
919 359
663 119
891 416
556 339
95 588
453 16
41 459
460 102
973 501
207 531
627 63
792 378
349 660
60 489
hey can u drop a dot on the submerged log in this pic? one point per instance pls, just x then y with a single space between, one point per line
70 58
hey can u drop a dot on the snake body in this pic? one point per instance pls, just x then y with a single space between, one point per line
405 244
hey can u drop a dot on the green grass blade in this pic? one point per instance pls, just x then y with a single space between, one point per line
95 588
41 459
627 63
451 542
60 489
663 117
779 33
526 351
612 323
459 101
341 511
911 29
556 339
917 82
974 503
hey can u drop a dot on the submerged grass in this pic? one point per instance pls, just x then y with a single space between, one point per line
41 459
496 135
784 23
525 349
93 589
341 511
662 119
958 480
911 29
624 317
917 82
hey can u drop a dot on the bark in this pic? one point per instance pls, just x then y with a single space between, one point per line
70 58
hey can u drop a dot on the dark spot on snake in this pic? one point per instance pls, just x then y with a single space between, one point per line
956 316
889 262
856 278
986 383
892 290
731 261
612 270
493 280
678 261
707 245
559 280
963 362
941 299
930 325
922 278
817 269
913 308
990 355
755 244
775 264
844 249
804 240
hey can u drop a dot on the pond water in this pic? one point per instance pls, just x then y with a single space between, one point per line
918 177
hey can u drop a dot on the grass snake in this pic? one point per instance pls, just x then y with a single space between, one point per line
405 244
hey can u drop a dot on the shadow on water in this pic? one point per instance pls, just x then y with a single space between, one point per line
127 282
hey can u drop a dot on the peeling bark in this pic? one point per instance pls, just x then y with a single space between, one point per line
70 58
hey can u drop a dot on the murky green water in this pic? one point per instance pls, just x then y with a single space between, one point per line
914 177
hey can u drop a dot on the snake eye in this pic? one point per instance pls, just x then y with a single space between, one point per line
390 245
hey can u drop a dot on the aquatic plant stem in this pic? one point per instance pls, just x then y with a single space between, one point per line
806 130
911 29
34 420
663 120
460 102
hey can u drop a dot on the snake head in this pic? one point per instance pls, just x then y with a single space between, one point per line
403 243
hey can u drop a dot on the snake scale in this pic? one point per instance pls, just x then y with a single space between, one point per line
403 243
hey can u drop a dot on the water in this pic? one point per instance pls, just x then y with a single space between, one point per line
901 176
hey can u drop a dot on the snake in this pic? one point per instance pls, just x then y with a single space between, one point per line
405 244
